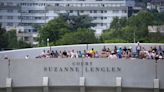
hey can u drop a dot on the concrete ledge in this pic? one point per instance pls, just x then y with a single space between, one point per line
156 85
82 81
8 82
118 84
118 81
45 81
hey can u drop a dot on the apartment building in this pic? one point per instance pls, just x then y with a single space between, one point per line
156 4
26 13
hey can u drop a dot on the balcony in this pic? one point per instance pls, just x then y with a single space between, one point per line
84 8
6 7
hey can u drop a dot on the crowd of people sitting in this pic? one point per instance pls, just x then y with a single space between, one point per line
116 53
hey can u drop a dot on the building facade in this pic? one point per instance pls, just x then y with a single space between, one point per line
156 4
26 13
154 29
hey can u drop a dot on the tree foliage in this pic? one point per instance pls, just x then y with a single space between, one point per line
82 36
12 39
53 30
3 37
76 22
8 40
134 27
118 23
13 43
59 30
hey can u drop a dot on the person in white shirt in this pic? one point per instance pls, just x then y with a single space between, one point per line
73 54
27 57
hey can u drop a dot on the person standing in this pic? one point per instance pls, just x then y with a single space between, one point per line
138 49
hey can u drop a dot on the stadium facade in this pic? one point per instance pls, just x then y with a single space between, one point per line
23 14
18 74
81 75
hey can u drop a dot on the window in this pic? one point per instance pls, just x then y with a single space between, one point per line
26 30
115 11
24 11
19 17
9 3
95 11
94 17
9 17
29 30
36 11
35 38
71 11
102 5
38 18
26 38
56 4
82 11
10 11
25 24
34 30
0 17
1 4
124 11
19 31
9 24
114 5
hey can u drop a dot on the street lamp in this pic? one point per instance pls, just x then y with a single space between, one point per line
134 37
48 42
134 34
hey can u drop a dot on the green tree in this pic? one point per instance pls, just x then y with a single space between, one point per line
76 22
12 39
8 40
82 21
118 23
158 18
3 37
140 23
115 33
142 19
136 27
53 31
22 44
56 28
82 36
13 43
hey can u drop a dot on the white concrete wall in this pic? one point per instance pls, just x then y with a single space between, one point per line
27 75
